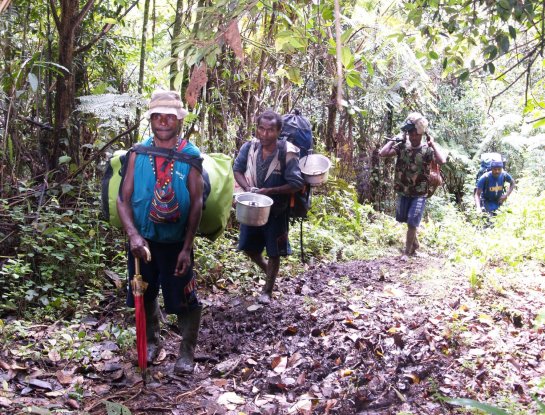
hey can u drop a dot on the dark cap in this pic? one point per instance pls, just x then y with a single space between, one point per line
408 126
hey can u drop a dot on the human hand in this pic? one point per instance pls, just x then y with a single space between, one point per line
429 139
139 248
183 263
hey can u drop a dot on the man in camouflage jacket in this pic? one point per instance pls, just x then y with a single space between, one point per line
412 173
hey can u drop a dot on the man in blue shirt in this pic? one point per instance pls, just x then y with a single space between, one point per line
491 188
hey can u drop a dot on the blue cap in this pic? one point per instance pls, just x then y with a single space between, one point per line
496 163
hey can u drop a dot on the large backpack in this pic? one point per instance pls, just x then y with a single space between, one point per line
297 130
218 180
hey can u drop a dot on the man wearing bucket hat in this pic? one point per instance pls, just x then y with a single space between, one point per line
269 167
490 192
412 172
160 206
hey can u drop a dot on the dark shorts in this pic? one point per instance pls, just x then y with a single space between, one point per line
409 209
179 293
273 236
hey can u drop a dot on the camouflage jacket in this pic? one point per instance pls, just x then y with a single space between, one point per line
412 169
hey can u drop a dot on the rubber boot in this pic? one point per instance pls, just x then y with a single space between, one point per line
153 330
189 329
272 271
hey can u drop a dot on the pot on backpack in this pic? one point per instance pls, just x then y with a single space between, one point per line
315 169
253 209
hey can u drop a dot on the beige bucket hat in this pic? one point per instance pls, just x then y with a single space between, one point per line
166 102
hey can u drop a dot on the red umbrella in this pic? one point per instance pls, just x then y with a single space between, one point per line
138 288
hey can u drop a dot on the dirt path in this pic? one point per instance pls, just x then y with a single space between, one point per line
364 337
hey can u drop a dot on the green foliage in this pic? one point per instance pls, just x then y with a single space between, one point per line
113 408
60 260
339 228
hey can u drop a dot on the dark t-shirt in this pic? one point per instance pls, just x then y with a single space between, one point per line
412 169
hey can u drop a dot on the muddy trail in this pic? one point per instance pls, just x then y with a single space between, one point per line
363 337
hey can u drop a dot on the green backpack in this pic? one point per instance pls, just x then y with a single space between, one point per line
218 179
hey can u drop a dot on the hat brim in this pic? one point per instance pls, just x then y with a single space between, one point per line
408 127
180 113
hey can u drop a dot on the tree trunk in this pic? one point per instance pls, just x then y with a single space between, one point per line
67 24
176 31
142 61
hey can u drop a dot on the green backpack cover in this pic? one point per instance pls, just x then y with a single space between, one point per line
220 199
219 182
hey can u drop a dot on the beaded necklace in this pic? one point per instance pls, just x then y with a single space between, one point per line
163 175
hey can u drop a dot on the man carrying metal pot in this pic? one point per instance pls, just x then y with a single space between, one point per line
412 173
270 167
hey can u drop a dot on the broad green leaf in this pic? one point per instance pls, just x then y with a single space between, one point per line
353 79
539 123
370 69
346 35
113 408
503 43
491 68
470 403
179 78
163 63
327 13
32 81
294 75
64 159
109 20
512 32
432 54
464 76
347 58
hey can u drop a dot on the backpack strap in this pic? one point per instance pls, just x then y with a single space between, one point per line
171 154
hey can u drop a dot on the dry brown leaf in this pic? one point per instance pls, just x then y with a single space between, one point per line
413 377
220 383
4 402
197 81
233 39
291 331
63 377
54 356
279 364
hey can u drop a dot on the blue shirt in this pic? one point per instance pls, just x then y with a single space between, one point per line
492 189
144 185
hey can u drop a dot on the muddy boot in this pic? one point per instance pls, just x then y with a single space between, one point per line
272 271
153 329
189 329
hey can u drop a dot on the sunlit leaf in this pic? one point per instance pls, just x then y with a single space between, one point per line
470 403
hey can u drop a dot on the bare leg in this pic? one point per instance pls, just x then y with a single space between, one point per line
272 272
258 259
411 236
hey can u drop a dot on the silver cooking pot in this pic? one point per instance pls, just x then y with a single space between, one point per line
315 169
253 209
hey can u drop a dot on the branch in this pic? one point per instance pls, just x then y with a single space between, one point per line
78 19
99 152
514 82
537 119
103 32
55 16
